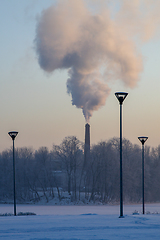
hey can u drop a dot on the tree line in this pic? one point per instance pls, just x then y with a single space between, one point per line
63 173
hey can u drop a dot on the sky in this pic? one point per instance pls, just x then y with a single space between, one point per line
35 81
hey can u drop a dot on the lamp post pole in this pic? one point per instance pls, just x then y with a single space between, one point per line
14 180
121 174
143 210
13 134
121 96
143 140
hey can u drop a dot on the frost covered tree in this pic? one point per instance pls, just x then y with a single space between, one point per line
70 154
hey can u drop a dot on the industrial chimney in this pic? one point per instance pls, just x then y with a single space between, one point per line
87 144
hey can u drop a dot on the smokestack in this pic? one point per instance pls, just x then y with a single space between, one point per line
87 143
87 136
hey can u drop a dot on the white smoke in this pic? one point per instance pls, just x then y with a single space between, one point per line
70 36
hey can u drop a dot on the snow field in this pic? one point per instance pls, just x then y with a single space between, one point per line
80 222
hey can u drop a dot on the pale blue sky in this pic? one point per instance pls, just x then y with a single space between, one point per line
37 105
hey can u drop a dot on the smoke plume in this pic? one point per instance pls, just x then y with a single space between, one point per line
93 46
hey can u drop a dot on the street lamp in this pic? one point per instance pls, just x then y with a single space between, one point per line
13 134
143 140
121 96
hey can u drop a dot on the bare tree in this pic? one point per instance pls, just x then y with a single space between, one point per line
24 175
39 172
44 172
69 152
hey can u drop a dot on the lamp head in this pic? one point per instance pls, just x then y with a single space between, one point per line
13 134
142 139
121 96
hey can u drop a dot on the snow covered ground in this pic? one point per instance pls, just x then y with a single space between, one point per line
80 222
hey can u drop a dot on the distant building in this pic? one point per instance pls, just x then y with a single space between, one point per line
87 144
